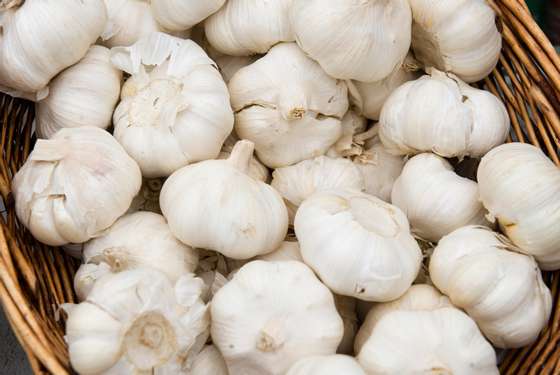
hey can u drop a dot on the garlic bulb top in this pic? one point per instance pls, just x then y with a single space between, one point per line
128 22
34 32
247 27
215 205
335 228
174 109
53 189
352 125
423 336
178 15
435 199
256 169
288 106
272 314
137 321
340 35
520 187
326 365
439 113
501 289
456 36
209 362
83 95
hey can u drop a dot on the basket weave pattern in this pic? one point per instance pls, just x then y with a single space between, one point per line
35 279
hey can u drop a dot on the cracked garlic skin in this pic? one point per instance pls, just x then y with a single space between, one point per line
334 228
288 106
83 95
423 333
128 21
340 36
456 36
326 365
248 27
520 187
34 32
216 205
137 321
435 199
272 314
500 288
178 15
141 239
74 185
441 114
174 109
209 362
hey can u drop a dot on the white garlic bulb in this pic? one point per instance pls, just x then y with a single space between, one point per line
300 181
346 307
209 362
256 169
137 321
215 205
247 27
422 333
456 36
178 15
128 22
326 365
435 199
53 189
229 65
335 228
34 32
174 109
288 250
501 289
520 187
354 39
141 239
439 113
86 276
83 95
288 106
352 125
272 314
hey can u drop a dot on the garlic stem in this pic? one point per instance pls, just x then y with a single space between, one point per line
7 4
241 155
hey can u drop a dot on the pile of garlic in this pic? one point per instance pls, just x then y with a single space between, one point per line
236 210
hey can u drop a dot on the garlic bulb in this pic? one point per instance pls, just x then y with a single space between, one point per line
83 95
271 315
335 228
174 109
435 199
298 182
288 106
215 205
424 334
148 197
355 39
141 239
137 321
439 113
501 289
346 307
456 36
129 21
229 65
520 187
86 276
209 362
247 27
53 189
352 124
34 32
178 15
288 250
256 169
369 98
326 365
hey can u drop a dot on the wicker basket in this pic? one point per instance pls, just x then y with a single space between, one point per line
35 279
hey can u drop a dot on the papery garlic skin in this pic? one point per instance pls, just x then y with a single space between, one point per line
352 124
335 228
435 199
256 169
83 95
520 187
53 189
215 205
441 114
229 65
288 106
128 21
271 315
174 109
33 36
247 27
86 276
209 362
500 288
137 321
339 35
178 15
456 36
326 365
